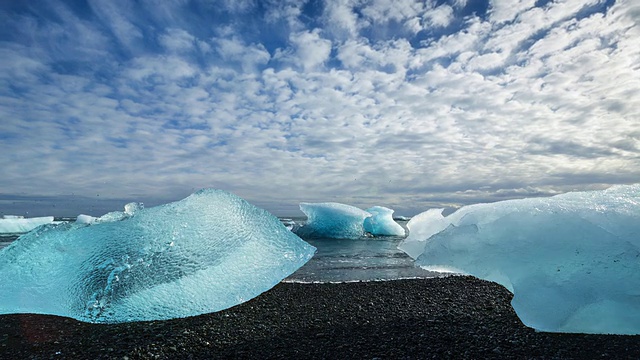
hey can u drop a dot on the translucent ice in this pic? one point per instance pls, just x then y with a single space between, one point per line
11 224
332 220
381 222
205 253
572 261
421 227
85 219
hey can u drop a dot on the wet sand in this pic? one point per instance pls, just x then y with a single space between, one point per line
453 317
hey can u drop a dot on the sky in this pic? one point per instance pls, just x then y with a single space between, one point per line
398 103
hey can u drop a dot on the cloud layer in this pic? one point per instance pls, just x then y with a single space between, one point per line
404 104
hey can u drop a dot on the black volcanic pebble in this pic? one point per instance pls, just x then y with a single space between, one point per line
453 317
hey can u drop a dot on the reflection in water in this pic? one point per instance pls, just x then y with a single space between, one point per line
364 259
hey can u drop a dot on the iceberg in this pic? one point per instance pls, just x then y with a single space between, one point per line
572 261
381 222
14 224
421 227
332 220
207 252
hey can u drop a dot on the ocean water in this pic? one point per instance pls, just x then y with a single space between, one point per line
344 260
6 240
364 259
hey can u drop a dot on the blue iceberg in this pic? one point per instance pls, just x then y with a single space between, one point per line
572 261
381 222
332 220
205 253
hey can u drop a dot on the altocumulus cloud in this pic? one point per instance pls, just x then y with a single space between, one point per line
401 103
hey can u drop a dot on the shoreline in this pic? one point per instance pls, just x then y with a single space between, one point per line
445 317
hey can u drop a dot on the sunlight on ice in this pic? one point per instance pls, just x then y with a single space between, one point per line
572 261
421 227
202 254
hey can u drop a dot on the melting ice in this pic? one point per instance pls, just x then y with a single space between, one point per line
572 261
381 222
341 221
12 224
332 220
205 253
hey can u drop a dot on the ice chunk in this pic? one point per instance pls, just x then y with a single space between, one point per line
205 253
571 261
381 222
332 220
421 227
14 224
129 210
133 208
85 219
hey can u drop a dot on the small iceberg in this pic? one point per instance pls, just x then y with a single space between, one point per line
15 224
341 221
205 253
332 220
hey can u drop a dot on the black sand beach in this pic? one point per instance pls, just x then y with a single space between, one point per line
453 317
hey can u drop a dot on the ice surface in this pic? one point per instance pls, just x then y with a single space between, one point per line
13 224
332 220
381 222
421 227
205 253
85 219
572 260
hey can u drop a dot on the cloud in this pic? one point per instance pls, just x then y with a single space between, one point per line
341 19
309 50
440 16
114 15
235 51
401 104
177 40
505 10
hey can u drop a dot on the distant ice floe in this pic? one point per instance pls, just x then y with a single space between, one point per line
205 253
15 224
572 261
341 221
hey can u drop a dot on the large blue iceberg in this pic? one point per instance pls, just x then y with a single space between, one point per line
332 220
381 222
572 261
205 253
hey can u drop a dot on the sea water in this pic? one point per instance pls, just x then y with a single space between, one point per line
344 260
365 259
6 240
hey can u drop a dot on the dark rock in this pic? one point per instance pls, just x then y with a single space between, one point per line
453 317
